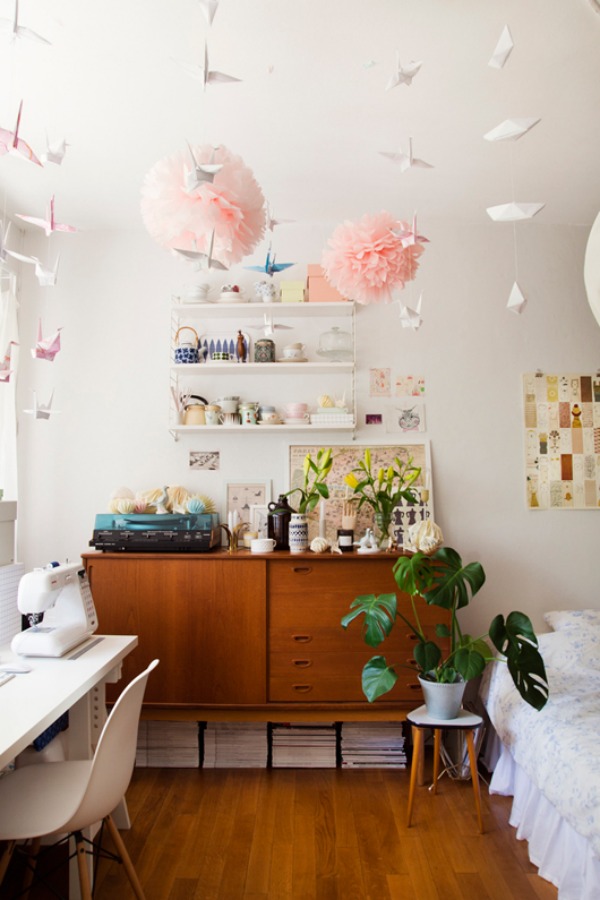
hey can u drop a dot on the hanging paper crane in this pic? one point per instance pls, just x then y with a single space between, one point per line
205 74
268 327
203 260
411 318
403 74
273 222
410 236
209 8
406 160
200 173
17 30
270 266
48 347
55 153
5 369
46 277
42 410
10 142
49 224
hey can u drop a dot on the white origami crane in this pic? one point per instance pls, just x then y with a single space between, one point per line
502 50
409 237
46 347
511 129
209 8
10 142
55 153
516 301
403 74
203 260
268 327
411 318
17 30
200 173
42 410
5 369
272 222
514 212
406 160
46 277
49 224
205 74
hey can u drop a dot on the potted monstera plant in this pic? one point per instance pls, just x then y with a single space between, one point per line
450 657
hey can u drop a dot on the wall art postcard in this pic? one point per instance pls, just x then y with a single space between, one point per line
409 386
405 416
205 459
346 458
562 441
379 383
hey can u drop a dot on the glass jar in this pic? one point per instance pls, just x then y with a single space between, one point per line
336 345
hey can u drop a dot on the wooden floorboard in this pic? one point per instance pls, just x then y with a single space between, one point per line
314 834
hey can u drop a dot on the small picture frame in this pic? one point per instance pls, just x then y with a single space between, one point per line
241 497
259 519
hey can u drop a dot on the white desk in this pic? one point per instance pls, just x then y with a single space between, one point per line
30 703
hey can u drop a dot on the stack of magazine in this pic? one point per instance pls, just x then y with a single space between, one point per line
235 745
375 745
304 746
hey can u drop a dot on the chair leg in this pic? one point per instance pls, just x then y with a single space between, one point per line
82 867
32 858
126 859
6 858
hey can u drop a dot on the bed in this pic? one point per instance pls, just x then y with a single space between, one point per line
549 761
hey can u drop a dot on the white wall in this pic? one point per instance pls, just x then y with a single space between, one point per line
111 384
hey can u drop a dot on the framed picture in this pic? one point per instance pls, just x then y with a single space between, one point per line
240 497
258 519
346 458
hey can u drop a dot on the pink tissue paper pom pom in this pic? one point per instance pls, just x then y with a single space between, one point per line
366 260
233 205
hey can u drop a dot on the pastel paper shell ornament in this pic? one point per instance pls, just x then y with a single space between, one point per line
424 537
319 545
366 260
195 505
232 205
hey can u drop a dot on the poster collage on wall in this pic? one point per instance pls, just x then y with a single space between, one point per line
562 440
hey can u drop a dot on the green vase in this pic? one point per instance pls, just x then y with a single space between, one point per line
383 522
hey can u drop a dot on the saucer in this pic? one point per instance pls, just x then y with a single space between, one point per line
278 422
286 359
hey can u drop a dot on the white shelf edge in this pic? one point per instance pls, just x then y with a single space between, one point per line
190 429
263 368
207 310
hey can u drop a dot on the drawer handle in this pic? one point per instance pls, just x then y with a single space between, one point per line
302 638
414 687
302 570
302 688
302 663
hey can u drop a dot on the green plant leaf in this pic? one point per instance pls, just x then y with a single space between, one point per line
413 574
452 584
379 613
427 655
469 662
322 489
516 640
377 678
442 630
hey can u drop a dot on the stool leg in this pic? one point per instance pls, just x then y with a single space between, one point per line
416 755
475 778
437 735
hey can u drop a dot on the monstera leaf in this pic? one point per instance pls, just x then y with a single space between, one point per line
516 640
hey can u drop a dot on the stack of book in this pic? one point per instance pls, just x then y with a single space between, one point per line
375 745
168 745
304 746
235 745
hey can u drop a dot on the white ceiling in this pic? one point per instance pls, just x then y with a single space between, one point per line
312 111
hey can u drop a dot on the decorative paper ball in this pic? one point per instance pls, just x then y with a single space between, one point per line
232 205
195 505
366 261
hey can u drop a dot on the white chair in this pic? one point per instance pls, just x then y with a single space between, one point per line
57 798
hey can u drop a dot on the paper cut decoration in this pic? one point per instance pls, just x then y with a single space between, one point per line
49 224
200 172
503 49
17 30
205 74
511 129
203 260
516 301
411 318
514 212
270 266
403 74
5 369
10 142
268 327
209 8
46 347
42 410
55 153
406 160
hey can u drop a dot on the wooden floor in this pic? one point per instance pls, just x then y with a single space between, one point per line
315 833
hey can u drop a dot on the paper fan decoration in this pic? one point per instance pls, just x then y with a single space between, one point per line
231 205
368 259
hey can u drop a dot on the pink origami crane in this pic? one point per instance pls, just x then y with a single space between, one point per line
10 142
5 369
49 224
48 347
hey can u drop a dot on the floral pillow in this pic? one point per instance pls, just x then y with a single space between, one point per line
573 619
578 634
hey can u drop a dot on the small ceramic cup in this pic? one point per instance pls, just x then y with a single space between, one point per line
295 410
250 536
262 545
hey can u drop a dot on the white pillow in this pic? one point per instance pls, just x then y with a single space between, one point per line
576 639
573 619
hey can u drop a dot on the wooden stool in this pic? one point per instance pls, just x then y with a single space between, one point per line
467 722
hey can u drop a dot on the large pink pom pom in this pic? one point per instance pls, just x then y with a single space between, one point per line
366 260
232 205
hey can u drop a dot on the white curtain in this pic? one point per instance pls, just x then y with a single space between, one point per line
9 331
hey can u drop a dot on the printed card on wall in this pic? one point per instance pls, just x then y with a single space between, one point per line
562 441
379 383
346 458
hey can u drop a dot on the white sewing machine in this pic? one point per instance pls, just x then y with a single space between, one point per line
63 595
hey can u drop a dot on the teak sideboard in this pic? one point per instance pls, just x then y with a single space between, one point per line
242 635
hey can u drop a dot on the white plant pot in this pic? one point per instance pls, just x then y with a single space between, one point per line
443 701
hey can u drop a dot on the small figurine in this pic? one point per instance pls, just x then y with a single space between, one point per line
242 350
368 543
